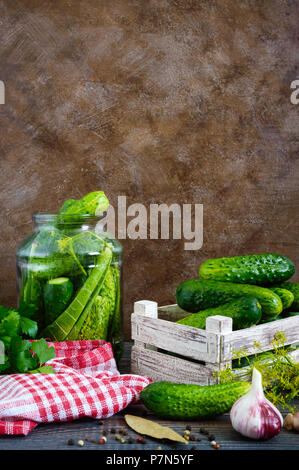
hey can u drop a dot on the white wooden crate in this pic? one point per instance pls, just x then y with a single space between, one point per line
202 352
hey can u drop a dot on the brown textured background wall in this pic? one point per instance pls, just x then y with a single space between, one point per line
182 101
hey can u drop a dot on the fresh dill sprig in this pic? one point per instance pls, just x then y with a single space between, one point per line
279 371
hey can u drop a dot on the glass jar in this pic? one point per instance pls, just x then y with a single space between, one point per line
71 271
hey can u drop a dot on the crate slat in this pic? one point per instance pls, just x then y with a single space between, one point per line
180 339
162 367
263 334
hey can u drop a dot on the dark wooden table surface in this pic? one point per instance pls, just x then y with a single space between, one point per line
56 436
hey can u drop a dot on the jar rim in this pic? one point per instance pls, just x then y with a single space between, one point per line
45 217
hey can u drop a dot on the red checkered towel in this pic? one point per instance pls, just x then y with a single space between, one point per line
86 383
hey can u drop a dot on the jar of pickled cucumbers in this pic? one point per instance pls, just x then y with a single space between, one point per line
70 270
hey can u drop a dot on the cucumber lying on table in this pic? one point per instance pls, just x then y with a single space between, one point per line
195 295
188 401
245 312
264 269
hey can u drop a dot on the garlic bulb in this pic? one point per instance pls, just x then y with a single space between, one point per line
253 415
291 422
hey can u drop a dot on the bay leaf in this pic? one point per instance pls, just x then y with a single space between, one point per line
150 428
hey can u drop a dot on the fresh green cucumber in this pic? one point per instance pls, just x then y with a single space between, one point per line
195 295
286 296
92 203
245 312
294 288
188 401
264 269
57 295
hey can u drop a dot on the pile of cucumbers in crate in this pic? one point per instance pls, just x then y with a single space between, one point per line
251 289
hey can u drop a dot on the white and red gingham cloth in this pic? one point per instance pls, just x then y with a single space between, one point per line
86 383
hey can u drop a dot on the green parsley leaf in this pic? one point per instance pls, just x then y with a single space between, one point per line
17 344
26 310
43 351
10 325
24 361
4 312
5 340
43 370
5 365
21 355
28 327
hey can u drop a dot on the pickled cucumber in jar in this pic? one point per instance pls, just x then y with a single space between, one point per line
71 271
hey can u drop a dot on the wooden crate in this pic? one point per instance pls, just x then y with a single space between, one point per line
164 350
